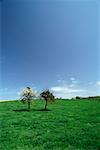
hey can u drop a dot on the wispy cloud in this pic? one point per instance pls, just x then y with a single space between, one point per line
98 83
72 78
73 87
68 88
67 92
65 89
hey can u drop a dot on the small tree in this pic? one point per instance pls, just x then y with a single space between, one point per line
48 97
27 95
77 97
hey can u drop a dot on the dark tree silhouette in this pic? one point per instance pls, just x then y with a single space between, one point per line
48 97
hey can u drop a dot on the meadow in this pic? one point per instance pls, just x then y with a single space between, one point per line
67 125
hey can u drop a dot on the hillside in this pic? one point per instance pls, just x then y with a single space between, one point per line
68 125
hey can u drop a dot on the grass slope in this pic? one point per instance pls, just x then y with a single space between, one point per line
70 125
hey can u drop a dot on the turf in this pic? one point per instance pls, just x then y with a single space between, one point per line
68 125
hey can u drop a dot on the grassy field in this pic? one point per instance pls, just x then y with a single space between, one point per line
69 125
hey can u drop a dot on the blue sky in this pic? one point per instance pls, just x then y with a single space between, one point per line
50 44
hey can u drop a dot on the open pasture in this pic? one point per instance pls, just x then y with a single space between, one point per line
67 125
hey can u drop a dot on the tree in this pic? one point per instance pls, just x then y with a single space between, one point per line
77 97
48 97
27 95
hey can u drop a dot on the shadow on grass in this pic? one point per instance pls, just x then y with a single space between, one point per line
42 110
21 110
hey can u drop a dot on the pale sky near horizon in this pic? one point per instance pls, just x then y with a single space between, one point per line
50 44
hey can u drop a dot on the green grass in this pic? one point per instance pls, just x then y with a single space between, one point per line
69 125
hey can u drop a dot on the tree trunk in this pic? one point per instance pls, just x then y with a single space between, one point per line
28 105
46 105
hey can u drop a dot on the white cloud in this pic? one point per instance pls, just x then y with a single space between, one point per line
66 91
72 78
18 93
73 82
98 83
72 85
